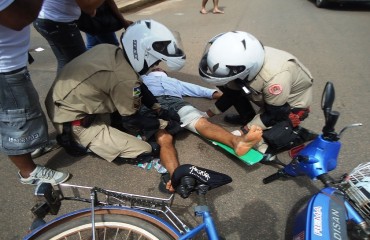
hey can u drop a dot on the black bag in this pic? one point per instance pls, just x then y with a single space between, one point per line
104 21
280 135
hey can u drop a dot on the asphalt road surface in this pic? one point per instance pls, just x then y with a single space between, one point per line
333 43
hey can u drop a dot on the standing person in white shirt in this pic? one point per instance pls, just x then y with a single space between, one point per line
23 126
56 22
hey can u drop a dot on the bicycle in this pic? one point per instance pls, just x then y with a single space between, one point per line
342 208
124 215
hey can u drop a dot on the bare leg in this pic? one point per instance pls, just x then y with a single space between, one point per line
215 7
167 154
240 144
24 163
203 10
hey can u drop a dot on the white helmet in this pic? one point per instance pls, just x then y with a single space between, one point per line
146 42
230 56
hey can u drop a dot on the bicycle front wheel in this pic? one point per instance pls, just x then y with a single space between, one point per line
108 226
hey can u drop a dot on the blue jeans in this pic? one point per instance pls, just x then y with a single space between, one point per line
65 39
93 40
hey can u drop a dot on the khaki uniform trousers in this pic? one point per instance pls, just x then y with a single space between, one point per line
109 143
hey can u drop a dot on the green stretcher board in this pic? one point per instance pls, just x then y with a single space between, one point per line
251 157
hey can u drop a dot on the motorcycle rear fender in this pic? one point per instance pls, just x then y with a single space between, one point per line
323 217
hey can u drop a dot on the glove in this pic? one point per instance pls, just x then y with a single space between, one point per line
294 118
173 127
186 186
168 115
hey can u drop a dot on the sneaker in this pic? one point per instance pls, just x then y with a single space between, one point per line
235 119
43 174
50 146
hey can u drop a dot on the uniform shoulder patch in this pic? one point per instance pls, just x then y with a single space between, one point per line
136 91
275 89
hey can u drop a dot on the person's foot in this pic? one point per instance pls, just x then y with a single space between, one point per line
250 139
218 11
203 11
50 146
235 119
43 174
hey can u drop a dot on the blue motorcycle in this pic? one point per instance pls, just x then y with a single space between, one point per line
341 210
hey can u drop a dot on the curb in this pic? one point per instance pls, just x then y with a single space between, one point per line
126 5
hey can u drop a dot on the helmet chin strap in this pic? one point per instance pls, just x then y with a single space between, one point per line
145 69
243 86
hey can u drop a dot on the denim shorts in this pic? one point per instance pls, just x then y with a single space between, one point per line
23 125
189 115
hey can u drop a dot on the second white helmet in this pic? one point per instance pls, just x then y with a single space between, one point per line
230 56
146 42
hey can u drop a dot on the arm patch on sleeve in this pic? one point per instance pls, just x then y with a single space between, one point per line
275 89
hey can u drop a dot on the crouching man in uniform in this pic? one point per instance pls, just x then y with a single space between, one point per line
268 87
103 81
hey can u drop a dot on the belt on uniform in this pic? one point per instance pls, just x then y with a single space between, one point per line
84 122
13 72
77 122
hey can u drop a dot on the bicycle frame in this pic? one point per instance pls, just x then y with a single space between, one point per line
207 225
147 207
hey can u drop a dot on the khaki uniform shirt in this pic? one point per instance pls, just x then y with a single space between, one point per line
100 81
282 79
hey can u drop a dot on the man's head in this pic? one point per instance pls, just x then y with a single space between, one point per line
230 56
147 42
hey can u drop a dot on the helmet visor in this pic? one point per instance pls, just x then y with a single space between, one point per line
209 75
170 48
171 52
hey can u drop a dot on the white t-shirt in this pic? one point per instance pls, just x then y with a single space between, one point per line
60 10
13 45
